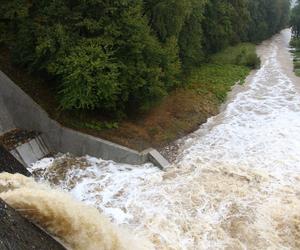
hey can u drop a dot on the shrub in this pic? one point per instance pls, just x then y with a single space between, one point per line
89 77
252 61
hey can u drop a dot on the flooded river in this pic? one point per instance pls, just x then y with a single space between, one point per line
234 185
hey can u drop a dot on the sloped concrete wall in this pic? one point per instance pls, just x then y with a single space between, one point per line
31 151
9 164
6 122
27 114
18 233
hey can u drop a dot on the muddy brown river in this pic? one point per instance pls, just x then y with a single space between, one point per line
234 185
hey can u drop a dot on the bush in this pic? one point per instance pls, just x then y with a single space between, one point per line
243 54
217 79
295 42
89 78
252 61
144 44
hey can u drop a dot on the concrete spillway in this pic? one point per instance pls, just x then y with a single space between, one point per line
18 110
235 184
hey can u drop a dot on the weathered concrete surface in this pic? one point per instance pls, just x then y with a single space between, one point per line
26 114
17 233
9 164
16 137
6 122
31 151
26 146
156 158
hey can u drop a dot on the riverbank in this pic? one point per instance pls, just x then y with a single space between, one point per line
295 44
235 184
178 114
292 51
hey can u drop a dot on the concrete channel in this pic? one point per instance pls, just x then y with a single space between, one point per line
18 110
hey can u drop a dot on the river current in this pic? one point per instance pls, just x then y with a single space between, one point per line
234 185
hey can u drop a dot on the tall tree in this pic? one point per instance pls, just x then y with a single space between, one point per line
295 19
124 54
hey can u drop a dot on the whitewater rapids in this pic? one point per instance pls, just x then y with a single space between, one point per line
235 184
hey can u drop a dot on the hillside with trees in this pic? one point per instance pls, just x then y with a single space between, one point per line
295 20
295 42
119 58
114 55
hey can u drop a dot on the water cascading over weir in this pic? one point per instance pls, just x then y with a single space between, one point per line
27 134
234 185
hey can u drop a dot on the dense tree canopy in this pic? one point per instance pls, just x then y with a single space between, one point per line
295 19
123 54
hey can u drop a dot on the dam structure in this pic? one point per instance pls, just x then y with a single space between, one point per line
235 183
18 110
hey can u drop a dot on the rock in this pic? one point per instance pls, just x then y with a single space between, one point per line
17 233
9 164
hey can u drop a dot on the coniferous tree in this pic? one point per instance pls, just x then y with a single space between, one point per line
124 54
295 20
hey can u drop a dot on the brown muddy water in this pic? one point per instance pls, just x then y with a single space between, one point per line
234 185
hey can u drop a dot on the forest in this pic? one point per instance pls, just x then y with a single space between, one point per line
295 41
295 20
124 55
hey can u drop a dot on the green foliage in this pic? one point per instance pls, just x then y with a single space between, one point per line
167 17
295 20
146 64
295 43
191 38
171 63
95 125
267 18
217 79
226 68
217 25
89 77
243 54
124 55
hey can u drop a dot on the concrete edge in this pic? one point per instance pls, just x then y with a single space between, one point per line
27 114
31 151
156 158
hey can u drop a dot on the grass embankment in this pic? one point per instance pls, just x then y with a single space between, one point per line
179 113
295 43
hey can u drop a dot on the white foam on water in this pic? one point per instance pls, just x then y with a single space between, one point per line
235 185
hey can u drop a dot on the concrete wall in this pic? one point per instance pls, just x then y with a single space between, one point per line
31 151
6 122
16 232
26 114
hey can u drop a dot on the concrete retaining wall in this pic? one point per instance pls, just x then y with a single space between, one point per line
31 151
18 233
6 122
9 164
27 114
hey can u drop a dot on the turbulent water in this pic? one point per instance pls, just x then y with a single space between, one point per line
235 184
79 227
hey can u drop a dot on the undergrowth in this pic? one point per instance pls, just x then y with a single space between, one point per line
295 43
178 114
